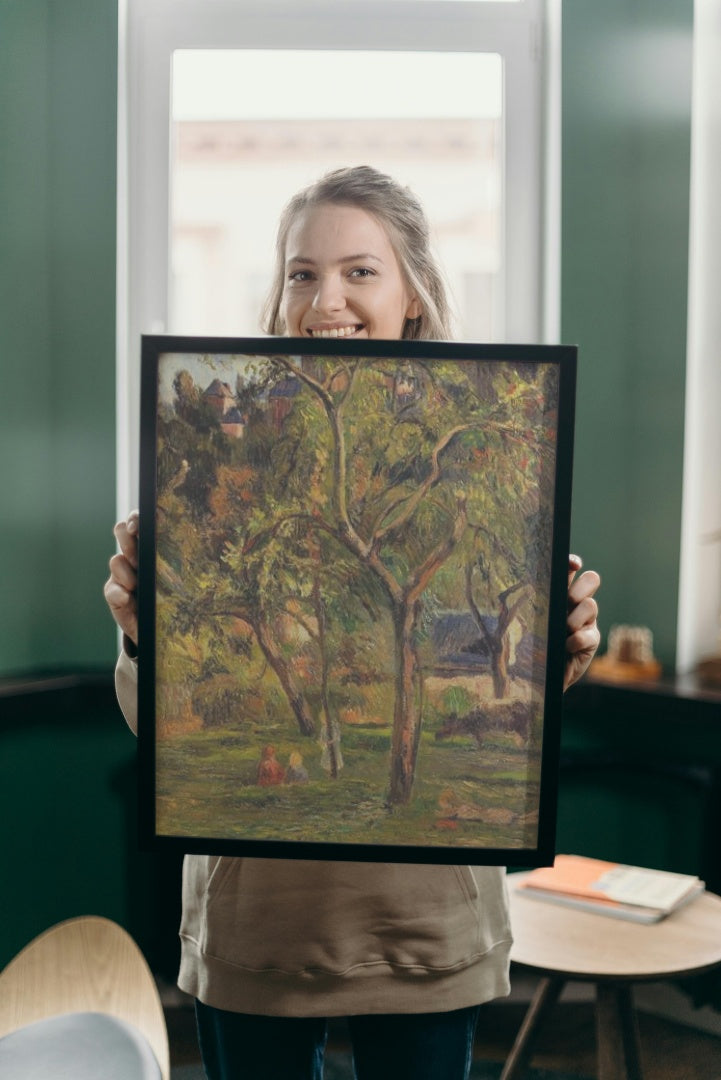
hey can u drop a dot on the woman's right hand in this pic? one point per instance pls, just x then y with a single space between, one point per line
121 587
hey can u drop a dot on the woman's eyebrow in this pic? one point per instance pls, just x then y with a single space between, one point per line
361 257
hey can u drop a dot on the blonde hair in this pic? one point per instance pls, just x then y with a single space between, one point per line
403 217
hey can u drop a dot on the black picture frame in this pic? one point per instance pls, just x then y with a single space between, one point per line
353 573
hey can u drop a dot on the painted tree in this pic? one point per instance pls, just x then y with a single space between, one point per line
206 490
505 563
386 463
497 638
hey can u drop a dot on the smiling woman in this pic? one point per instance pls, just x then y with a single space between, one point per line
331 292
353 259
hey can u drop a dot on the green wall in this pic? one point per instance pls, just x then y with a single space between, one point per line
625 199
68 801
626 136
58 73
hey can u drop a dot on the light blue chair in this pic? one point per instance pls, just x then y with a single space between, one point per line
80 1003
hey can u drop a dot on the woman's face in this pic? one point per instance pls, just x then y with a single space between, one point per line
342 277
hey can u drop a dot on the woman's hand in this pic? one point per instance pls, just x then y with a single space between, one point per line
121 587
583 635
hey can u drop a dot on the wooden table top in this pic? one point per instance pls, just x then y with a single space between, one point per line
560 940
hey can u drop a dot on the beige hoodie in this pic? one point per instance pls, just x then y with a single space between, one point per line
284 937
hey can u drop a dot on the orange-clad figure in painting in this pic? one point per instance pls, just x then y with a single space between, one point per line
270 770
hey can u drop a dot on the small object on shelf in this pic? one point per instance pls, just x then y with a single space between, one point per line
629 657
635 893
708 670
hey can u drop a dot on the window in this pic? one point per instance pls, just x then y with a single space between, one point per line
227 107
236 158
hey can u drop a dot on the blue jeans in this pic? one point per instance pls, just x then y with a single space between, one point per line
416 1046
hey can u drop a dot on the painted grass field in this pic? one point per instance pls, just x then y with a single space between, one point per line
464 795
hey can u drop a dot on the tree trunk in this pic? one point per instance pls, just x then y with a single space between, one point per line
498 643
406 718
500 653
407 713
285 676
332 758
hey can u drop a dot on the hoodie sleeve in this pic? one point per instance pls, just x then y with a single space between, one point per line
126 688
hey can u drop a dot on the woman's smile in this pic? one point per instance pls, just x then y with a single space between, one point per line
335 331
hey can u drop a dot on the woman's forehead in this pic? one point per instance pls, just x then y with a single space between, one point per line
329 230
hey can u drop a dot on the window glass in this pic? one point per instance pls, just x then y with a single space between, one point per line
251 127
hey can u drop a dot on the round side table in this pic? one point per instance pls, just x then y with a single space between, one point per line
563 944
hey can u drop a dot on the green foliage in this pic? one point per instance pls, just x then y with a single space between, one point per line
456 699
217 700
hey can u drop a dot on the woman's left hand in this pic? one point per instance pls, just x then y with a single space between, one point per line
583 635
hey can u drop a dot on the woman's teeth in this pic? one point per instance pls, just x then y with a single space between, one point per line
336 332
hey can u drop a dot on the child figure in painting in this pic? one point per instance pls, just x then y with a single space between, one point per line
272 948
296 773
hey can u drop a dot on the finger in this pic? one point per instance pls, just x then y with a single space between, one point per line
122 572
586 640
119 599
585 585
126 534
575 562
123 608
583 614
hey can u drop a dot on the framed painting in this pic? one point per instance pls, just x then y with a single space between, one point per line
352 597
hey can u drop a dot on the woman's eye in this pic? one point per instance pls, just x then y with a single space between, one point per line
362 272
300 276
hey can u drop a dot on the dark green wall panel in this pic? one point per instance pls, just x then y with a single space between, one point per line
68 799
25 399
626 146
58 77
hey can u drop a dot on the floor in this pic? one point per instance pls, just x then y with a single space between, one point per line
669 1050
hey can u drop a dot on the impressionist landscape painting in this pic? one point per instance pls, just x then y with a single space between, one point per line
352 563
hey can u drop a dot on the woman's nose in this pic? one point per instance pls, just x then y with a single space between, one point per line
329 296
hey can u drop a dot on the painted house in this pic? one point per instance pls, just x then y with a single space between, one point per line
220 397
280 399
458 645
233 423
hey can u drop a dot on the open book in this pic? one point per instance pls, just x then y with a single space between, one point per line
608 888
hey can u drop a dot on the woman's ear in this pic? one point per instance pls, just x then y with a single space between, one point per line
415 309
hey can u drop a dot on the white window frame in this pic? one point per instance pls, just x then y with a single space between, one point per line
699 598
526 34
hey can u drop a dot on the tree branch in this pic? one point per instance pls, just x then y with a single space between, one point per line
412 501
420 580
334 415
475 610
